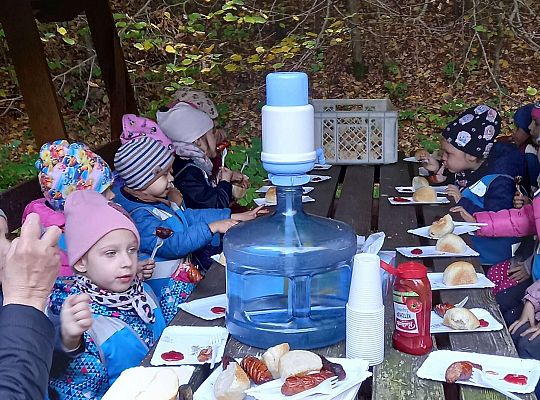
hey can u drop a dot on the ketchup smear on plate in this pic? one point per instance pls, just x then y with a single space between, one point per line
218 310
516 379
483 323
416 251
401 200
172 356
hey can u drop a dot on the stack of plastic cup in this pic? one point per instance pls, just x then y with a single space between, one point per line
365 311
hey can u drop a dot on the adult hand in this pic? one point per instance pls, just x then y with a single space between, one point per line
225 174
146 268
75 319
518 272
527 315
453 192
520 200
222 226
31 265
249 215
464 214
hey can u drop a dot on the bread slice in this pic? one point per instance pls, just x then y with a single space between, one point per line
145 383
441 227
418 182
272 356
271 195
425 194
460 318
231 383
451 243
460 273
298 362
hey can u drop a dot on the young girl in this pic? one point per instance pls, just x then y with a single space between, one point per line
527 144
484 172
64 168
102 244
168 232
192 134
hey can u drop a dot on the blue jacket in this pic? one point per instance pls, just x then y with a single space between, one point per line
196 189
492 188
117 340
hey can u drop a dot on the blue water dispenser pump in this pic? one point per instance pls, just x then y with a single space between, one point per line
288 274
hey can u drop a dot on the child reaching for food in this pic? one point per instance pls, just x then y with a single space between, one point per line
102 243
168 233
484 172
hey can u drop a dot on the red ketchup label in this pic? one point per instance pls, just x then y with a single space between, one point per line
218 310
406 307
416 252
483 323
401 200
516 379
172 356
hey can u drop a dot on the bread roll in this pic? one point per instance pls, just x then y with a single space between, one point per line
421 154
451 243
231 383
272 356
425 194
460 273
145 383
271 196
460 318
297 362
441 227
419 182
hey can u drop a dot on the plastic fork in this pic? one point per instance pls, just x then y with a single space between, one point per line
223 155
245 164
214 343
462 302
480 378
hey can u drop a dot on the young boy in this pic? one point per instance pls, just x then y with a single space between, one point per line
484 172
168 233
102 244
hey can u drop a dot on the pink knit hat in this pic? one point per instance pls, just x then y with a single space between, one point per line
535 112
89 217
134 127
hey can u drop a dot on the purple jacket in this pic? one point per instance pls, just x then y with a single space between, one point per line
533 295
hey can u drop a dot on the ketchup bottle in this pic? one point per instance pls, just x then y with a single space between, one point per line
412 309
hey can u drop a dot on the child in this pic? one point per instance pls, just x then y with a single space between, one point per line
527 144
191 132
4 247
484 172
64 168
145 166
102 244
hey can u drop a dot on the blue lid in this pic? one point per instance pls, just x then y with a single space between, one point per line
286 89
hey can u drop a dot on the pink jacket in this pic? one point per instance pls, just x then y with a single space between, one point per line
514 222
533 295
50 217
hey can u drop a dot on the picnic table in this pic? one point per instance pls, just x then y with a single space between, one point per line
358 195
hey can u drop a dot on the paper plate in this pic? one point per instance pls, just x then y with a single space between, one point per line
434 368
407 201
318 178
437 325
436 282
262 202
458 230
409 189
411 159
322 167
430 251
264 189
208 308
189 340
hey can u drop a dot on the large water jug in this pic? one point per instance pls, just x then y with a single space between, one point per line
288 277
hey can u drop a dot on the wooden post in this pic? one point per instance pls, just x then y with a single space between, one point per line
111 61
33 74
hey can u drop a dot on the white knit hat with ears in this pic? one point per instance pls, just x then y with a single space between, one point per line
184 123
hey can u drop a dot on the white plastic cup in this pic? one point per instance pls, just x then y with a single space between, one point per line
365 292
365 336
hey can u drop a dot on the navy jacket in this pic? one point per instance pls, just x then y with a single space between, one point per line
26 350
196 189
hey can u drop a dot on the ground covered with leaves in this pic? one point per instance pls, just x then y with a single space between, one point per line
431 59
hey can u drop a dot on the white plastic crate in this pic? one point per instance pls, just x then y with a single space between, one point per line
356 131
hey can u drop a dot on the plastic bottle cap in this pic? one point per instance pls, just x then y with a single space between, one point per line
412 270
285 89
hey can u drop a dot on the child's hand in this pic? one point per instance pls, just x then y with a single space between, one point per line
175 196
518 272
240 179
146 268
520 200
527 315
430 163
225 174
75 319
222 226
453 192
464 214
249 215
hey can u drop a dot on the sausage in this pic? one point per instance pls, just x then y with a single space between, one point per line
335 368
460 371
441 309
256 370
205 354
299 383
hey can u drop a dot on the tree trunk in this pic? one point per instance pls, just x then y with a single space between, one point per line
359 67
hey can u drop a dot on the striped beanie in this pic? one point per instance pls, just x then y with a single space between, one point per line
140 162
